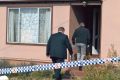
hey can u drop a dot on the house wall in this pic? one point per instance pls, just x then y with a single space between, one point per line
110 28
73 22
61 17
35 52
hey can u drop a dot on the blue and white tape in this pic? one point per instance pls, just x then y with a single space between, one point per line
42 67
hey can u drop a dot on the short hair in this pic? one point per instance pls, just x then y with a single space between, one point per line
61 29
82 24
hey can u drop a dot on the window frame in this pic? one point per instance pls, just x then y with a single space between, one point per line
22 43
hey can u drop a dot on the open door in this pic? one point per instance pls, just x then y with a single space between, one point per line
91 16
96 31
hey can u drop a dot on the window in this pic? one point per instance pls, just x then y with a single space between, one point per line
29 25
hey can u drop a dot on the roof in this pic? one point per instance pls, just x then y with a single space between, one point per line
71 2
7 1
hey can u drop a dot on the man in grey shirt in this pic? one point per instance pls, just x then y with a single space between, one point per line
81 38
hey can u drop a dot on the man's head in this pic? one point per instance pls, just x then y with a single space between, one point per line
82 24
61 29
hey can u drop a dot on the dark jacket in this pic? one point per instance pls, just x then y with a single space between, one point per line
81 35
57 45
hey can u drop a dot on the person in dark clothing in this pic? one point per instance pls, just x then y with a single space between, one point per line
57 46
81 38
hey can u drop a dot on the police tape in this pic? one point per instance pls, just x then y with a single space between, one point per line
42 67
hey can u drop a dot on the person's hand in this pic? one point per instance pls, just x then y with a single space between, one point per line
88 45
71 57
73 42
47 55
71 54
57 65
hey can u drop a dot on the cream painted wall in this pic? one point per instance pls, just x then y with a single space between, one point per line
74 24
61 17
36 52
17 51
110 30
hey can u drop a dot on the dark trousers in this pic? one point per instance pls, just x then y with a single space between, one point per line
57 71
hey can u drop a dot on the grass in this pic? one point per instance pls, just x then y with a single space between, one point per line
40 75
108 71
94 72
102 72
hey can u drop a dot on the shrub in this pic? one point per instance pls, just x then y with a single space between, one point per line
4 63
102 72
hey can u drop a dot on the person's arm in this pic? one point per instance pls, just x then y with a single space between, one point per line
88 37
73 38
48 47
69 45
89 44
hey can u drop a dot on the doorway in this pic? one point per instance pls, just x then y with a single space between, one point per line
91 16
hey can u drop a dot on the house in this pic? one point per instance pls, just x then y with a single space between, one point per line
25 25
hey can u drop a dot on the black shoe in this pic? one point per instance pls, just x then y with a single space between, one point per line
58 79
80 68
